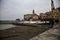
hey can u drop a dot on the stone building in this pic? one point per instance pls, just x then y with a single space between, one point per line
32 16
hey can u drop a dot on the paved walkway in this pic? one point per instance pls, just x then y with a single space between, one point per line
52 34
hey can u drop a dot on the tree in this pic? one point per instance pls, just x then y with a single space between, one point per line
17 19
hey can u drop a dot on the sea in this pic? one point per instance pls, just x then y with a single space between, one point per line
6 26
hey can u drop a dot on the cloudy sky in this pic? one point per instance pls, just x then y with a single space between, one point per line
12 9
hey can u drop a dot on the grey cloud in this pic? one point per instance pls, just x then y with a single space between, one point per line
12 9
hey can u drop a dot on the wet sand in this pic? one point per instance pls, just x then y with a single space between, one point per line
22 32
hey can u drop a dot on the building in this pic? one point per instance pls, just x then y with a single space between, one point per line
54 14
35 16
32 16
27 16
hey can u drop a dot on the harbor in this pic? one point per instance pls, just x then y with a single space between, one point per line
29 20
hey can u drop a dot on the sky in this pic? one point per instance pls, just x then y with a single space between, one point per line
13 9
